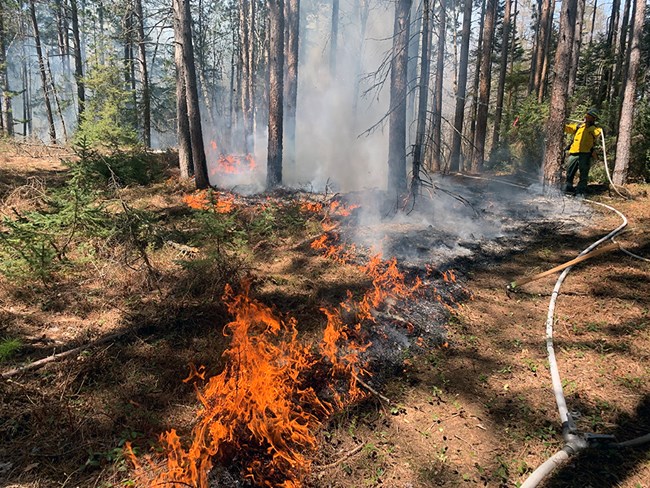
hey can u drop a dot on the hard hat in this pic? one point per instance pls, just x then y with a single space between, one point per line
593 112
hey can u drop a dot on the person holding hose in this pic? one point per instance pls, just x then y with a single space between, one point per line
581 150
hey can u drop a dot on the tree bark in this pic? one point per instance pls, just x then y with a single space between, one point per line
422 99
43 71
558 107
397 106
6 119
541 43
477 78
246 52
484 87
276 82
593 23
436 128
55 95
182 121
193 111
291 85
505 45
412 73
577 46
78 61
622 65
543 72
334 37
459 114
606 79
625 126
144 75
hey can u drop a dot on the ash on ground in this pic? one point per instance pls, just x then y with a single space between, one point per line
458 225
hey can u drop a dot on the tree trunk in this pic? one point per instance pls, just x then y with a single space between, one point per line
622 62
362 9
477 79
193 111
334 37
276 82
534 50
43 71
558 108
593 23
422 99
246 47
541 43
412 73
505 45
6 119
577 46
459 114
291 85
543 73
484 87
625 132
606 79
397 106
182 121
250 85
27 89
57 102
144 76
78 61
437 104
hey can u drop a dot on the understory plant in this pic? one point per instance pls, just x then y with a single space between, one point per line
36 244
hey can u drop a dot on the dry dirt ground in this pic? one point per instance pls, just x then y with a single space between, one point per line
470 406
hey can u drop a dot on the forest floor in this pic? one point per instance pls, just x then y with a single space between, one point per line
462 361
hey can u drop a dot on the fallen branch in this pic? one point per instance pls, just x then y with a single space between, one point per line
577 260
55 357
372 390
339 461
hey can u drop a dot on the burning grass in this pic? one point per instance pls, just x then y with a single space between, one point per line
263 411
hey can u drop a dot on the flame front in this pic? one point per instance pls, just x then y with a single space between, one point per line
262 408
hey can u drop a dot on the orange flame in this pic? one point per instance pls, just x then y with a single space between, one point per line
260 402
235 164
208 200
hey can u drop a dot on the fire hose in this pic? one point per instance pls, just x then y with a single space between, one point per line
575 441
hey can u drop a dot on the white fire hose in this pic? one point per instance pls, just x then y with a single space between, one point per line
576 441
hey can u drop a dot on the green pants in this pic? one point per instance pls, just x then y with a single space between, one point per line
578 162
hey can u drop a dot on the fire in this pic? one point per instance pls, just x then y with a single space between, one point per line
449 276
261 403
208 200
235 164
311 207
264 409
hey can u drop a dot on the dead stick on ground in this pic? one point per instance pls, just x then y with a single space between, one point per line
54 357
345 456
577 260
372 390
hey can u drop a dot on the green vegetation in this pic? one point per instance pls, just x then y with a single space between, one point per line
8 348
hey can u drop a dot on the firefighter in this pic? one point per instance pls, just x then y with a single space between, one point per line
581 150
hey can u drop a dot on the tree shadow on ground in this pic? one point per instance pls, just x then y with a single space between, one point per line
608 467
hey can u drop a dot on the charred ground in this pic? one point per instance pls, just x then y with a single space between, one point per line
463 362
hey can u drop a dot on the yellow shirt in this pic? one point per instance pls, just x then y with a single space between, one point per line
585 137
